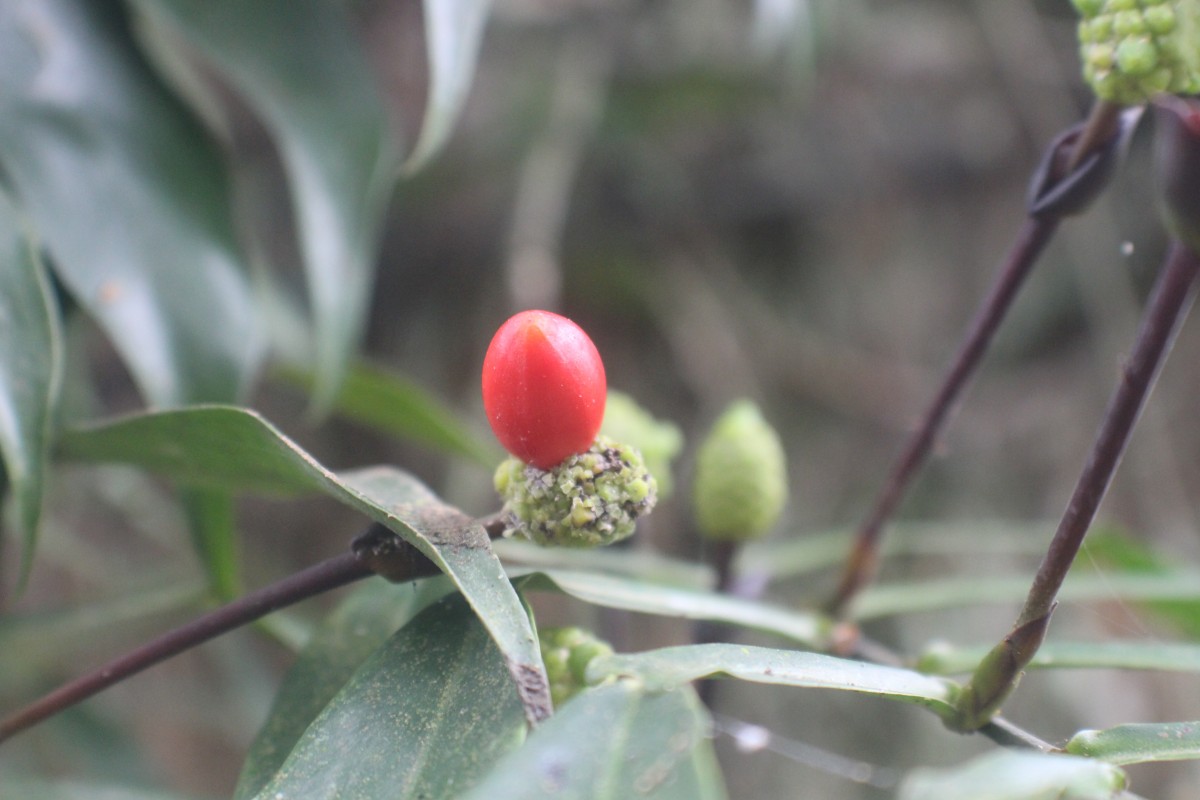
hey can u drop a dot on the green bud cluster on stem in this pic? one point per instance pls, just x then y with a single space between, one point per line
1133 50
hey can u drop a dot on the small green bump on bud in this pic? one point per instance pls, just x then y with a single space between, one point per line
1088 8
1097 30
1129 23
741 484
658 441
592 498
1160 20
1137 57
566 652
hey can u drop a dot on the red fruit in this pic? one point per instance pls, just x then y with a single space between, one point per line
543 388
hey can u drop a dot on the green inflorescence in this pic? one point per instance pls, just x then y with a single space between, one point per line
567 653
590 499
1133 50
740 485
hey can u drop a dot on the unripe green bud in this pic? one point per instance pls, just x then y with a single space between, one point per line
658 441
592 498
566 653
741 481
1133 50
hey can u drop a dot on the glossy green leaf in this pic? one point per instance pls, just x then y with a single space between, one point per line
426 716
129 198
1111 548
389 402
1017 775
361 623
453 32
214 534
236 449
614 742
647 565
611 591
30 366
675 666
300 67
1149 655
37 789
1138 742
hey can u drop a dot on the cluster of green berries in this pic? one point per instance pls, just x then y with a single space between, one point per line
567 653
591 498
1133 50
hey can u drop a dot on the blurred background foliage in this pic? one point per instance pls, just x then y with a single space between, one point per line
798 201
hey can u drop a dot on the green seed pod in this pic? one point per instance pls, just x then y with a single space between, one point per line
567 653
741 481
1133 50
658 441
592 498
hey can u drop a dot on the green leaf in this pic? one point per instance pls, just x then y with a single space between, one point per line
237 450
391 403
30 369
614 742
948 660
426 716
807 628
1017 775
675 666
128 196
214 535
453 32
361 623
301 69
37 789
646 565
1138 742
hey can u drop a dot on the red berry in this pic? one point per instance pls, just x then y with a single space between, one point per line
543 388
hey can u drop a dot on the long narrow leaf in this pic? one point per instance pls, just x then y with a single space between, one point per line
1135 743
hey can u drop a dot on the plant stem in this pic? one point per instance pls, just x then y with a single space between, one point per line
862 562
997 675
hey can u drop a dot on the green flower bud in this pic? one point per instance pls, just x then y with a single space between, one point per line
741 476
566 653
592 498
1133 50
658 441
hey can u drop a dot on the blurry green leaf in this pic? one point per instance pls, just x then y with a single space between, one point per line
1017 775
1136 743
360 624
30 368
453 31
898 598
807 628
236 449
426 716
210 519
613 742
948 660
391 403
647 565
675 666
299 65
1110 547
36 789
128 196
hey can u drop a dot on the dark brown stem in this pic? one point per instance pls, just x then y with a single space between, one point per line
861 565
997 674
1102 124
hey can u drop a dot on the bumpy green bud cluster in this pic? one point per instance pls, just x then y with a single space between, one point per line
567 653
659 442
741 476
592 498
1133 50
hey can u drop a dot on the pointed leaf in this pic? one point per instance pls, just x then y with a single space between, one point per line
300 67
389 402
1138 742
1017 775
236 449
453 32
29 374
129 197
214 535
614 742
1168 656
426 716
611 591
674 666
38 789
